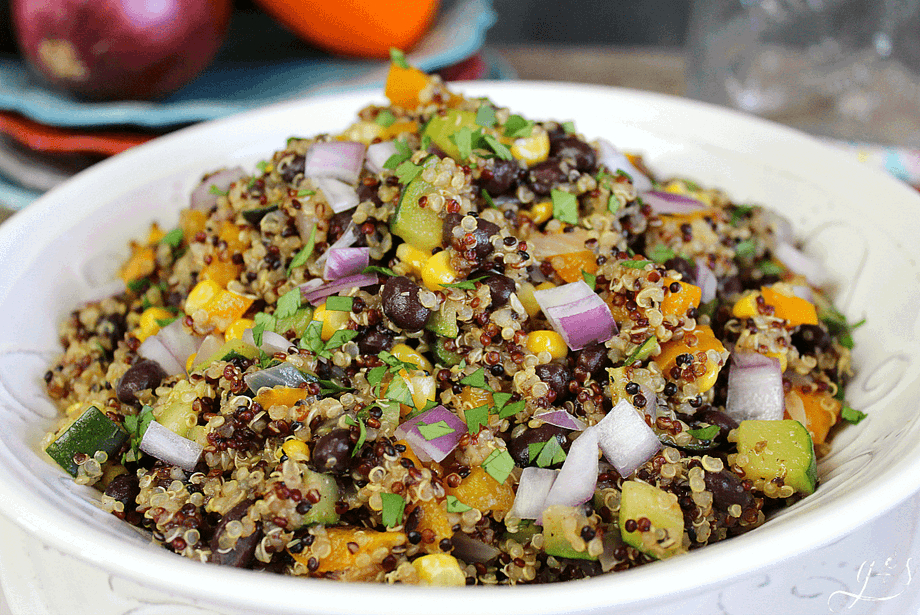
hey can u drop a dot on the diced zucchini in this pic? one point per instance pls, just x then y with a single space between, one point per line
442 127
443 356
664 537
93 431
254 216
324 510
230 350
420 227
298 322
526 530
778 451
444 321
555 541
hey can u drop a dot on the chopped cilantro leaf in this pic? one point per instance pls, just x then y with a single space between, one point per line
705 433
173 238
136 426
305 192
485 116
426 142
534 449
165 322
850 415
288 304
496 146
399 391
498 465
463 139
740 212
568 127
590 279
217 191
263 322
456 506
464 284
477 418
631 264
362 436
262 165
377 269
392 509
335 303
643 351
375 376
305 253
139 285
613 204
403 153
312 339
517 127
407 171
488 199
331 387
500 399
745 249
511 409
769 268
434 431
477 380
551 454
565 207
660 253
340 338
398 58
385 118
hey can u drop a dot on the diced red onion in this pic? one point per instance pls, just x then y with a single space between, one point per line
438 448
755 387
315 293
340 196
179 341
203 198
341 160
613 159
801 263
343 262
803 292
347 239
211 344
626 439
706 280
471 550
283 375
152 348
577 313
651 400
168 446
577 479
561 418
543 245
533 487
612 541
663 202
305 224
271 342
795 408
378 154
782 228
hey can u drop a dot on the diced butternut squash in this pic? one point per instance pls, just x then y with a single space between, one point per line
695 344
192 222
403 86
230 233
221 271
794 310
677 303
471 397
817 410
280 396
141 264
569 266
432 516
356 553
483 492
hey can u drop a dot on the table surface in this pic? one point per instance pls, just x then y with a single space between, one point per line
867 572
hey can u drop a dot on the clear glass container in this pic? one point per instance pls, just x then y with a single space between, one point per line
845 69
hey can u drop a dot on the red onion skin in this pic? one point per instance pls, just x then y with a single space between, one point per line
120 49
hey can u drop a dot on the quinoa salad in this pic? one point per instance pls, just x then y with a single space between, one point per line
452 345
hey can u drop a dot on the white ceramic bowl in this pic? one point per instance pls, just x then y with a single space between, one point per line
863 224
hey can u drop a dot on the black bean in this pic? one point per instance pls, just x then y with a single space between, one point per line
811 339
593 359
401 304
447 230
727 490
519 447
500 178
684 267
715 417
368 193
113 326
243 551
576 150
332 452
546 175
375 340
483 233
293 168
557 377
144 374
500 286
124 488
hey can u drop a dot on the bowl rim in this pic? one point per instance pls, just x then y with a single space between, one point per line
236 589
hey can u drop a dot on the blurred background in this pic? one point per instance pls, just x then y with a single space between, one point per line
847 71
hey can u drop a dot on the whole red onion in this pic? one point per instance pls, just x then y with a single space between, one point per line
120 49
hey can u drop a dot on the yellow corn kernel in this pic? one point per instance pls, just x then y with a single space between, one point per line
439 569
545 286
532 149
410 355
541 212
296 450
525 295
148 324
549 341
363 131
155 234
235 330
190 362
413 258
746 306
203 293
437 271
332 320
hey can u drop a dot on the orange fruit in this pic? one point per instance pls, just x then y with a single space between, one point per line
362 28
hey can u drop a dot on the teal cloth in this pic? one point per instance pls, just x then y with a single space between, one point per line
261 63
